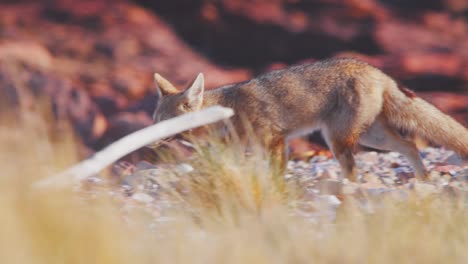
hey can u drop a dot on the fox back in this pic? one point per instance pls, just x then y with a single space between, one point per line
287 101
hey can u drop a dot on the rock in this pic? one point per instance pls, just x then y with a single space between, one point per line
412 37
31 53
145 165
462 175
370 158
142 197
404 176
455 159
330 187
131 82
388 180
448 65
449 169
125 123
184 168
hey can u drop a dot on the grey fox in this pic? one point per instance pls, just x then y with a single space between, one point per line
350 101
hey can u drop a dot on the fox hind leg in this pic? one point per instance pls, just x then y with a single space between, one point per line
382 137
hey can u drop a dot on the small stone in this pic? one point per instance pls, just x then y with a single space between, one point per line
316 171
462 175
145 165
142 197
328 186
330 174
454 159
388 180
184 168
134 179
450 169
404 176
302 164
331 200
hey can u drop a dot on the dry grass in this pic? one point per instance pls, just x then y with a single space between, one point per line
231 211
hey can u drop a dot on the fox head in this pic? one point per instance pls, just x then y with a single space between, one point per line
170 102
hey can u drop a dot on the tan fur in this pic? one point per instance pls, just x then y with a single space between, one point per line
350 101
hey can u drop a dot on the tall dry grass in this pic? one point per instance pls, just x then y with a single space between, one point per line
230 210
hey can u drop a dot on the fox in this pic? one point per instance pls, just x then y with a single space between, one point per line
351 103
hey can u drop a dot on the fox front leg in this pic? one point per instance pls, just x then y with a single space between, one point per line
279 155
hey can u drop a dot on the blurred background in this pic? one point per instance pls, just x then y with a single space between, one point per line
93 60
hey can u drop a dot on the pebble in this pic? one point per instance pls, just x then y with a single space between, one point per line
142 197
333 187
454 159
184 168
388 180
462 175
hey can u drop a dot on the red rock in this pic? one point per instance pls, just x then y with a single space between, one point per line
125 123
332 187
130 82
432 63
30 53
80 9
447 168
96 58
398 37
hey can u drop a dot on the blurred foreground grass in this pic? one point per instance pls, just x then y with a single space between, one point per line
231 212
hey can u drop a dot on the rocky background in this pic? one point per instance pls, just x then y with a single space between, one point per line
94 59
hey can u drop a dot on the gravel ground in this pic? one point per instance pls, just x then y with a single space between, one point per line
382 175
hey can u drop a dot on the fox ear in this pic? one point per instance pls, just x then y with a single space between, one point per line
195 91
163 86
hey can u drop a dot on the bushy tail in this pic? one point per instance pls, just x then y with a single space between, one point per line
410 113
